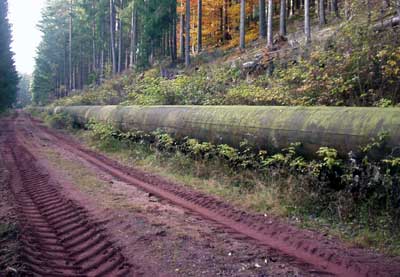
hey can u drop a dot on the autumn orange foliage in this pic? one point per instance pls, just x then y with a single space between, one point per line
220 22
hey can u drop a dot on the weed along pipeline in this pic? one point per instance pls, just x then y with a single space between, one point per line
271 128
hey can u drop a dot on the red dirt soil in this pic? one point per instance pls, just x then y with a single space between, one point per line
57 236
60 236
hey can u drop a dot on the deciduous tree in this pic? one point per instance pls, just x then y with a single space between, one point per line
262 23
242 24
307 25
269 23
282 19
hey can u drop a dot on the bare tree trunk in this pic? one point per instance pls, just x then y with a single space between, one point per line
335 8
168 43
94 66
225 21
347 9
101 66
316 5
282 19
242 24
269 23
322 18
307 26
126 58
221 22
199 25
70 47
119 67
292 7
181 35
174 40
262 23
112 39
120 34
65 71
133 37
398 7
187 37
73 78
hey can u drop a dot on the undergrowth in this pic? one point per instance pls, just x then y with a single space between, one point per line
357 65
355 198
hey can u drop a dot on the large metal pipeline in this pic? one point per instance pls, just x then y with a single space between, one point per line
271 128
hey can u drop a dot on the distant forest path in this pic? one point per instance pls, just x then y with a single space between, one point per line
83 214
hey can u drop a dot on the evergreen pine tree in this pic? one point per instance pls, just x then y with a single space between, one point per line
8 73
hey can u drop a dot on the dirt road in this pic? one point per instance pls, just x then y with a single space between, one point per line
82 214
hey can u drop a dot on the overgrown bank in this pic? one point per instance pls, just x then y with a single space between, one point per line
357 198
357 66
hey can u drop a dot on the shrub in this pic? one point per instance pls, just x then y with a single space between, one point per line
349 189
59 121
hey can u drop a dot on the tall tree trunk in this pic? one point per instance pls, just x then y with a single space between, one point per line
335 8
66 73
269 23
119 68
225 21
70 47
292 8
181 35
112 37
307 26
221 22
347 9
262 23
398 7
242 24
199 25
187 35
133 47
101 66
94 66
322 17
173 35
73 78
298 5
282 19
167 45
315 3
126 58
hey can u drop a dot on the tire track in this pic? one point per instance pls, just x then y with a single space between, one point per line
58 237
321 256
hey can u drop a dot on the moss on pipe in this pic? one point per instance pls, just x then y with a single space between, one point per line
271 128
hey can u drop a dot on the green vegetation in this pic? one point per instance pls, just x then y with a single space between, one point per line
24 97
8 73
356 199
268 127
59 121
357 66
352 61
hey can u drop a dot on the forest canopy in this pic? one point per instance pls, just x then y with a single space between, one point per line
86 42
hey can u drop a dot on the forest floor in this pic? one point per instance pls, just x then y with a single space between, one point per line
71 211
